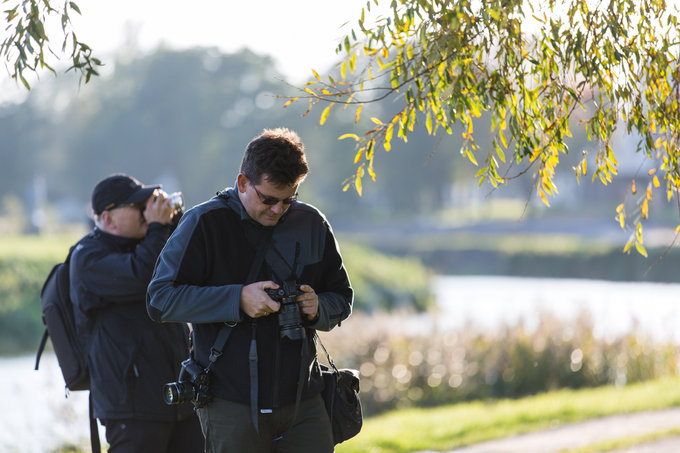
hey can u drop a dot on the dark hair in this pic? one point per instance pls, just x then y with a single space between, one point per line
278 153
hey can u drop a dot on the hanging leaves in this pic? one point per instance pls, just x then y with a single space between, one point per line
529 71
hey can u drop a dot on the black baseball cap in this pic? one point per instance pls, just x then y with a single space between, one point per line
117 190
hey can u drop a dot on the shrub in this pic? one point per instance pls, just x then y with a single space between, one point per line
405 360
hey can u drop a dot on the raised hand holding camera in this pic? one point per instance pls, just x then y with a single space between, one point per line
158 208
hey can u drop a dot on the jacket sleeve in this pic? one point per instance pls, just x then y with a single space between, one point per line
115 277
336 295
174 299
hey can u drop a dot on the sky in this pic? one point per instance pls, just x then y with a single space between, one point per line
298 34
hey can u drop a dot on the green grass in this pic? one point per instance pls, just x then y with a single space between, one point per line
49 247
446 428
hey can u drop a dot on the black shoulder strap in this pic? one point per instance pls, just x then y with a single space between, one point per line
225 331
94 430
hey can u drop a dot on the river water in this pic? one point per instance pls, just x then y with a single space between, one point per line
35 417
616 307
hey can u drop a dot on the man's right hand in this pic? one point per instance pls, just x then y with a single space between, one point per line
255 302
158 208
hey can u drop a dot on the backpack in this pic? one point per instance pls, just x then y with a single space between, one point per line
59 320
60 324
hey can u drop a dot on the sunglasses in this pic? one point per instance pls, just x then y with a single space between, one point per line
271 201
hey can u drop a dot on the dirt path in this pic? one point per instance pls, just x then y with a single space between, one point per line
591 432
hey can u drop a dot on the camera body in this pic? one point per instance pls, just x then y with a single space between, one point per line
192 385
290 318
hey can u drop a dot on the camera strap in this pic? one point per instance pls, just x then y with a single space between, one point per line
225 332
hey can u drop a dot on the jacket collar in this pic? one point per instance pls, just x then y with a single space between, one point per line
118 240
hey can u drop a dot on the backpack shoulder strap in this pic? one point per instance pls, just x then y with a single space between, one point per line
94 429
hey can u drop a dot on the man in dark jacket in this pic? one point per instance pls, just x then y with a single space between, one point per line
129 356
208 274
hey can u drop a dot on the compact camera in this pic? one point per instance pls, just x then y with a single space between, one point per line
177 201
192 385
290 319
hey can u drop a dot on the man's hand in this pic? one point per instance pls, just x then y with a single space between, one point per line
255 302
308 302
158 208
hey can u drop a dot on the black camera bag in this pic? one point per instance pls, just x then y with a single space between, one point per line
341 396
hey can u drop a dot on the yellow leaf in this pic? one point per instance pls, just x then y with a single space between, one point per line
288 102
357 183
344 136
325 113
645 208
358 115
655 180
316 75
376 120
627 247
360 153
307 90
471 157
371 172
641 249
388 136
633 188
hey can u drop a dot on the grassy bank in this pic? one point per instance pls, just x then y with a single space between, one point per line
448 427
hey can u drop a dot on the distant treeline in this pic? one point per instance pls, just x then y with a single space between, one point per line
183 119
661 266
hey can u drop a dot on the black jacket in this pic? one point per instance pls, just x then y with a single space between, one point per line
129 356
205 264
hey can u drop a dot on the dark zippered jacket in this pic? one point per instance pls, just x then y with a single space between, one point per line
129 356
199 276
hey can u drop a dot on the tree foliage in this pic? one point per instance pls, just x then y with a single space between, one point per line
535 70
26 46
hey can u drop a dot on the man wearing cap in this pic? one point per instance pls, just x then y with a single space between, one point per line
129 356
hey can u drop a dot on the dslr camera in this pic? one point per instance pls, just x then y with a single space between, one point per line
192 385
290 319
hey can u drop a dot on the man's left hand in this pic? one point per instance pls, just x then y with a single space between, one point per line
308 302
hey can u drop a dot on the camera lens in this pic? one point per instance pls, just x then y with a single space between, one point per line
177 201
290 321
178 392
